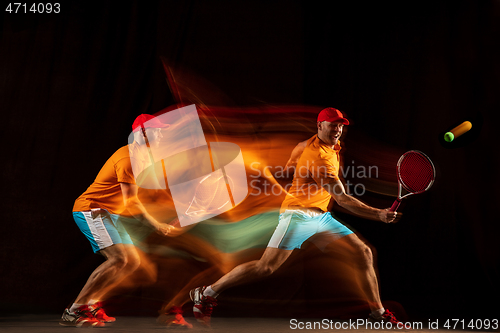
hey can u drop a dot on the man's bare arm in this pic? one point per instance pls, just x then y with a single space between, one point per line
337 190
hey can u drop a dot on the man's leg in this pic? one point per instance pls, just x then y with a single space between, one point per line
121 260
252 271
204 297
361 254
355 250
293 229
171 312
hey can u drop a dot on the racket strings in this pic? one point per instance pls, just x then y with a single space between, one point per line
416 172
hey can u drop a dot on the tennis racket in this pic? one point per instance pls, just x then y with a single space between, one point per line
416 174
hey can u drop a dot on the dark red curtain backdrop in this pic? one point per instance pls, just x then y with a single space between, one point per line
72 83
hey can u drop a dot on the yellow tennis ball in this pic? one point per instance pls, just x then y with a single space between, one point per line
448 137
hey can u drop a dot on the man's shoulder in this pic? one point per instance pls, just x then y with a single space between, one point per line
122 152
120 156
316 150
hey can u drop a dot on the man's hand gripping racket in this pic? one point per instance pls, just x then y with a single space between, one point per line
416 174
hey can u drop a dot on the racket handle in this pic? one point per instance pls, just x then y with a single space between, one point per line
395 205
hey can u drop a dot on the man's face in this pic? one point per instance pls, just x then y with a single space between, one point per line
329 132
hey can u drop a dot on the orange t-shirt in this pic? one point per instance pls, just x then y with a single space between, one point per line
317 166
105 192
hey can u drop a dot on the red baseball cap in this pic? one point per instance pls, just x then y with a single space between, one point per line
148 121
332 115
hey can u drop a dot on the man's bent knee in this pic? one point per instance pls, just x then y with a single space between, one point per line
359 250
119 262
117 256
365 254
272 259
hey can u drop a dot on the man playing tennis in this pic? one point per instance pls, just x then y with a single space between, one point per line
100 213
304 213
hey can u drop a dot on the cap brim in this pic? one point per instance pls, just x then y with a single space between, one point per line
338 120
152 124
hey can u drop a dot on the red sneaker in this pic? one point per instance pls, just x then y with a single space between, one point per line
81 317
389 317
203 305
173 318
99 314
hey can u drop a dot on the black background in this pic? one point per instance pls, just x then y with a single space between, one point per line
72 83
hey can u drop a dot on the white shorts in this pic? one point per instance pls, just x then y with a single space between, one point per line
102 229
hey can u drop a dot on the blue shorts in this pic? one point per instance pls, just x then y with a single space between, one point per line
103 229
298 225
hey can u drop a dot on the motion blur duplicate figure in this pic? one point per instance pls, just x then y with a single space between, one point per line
100 212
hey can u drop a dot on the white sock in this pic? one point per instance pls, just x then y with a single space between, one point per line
210 292
92 302
378 313
74 307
